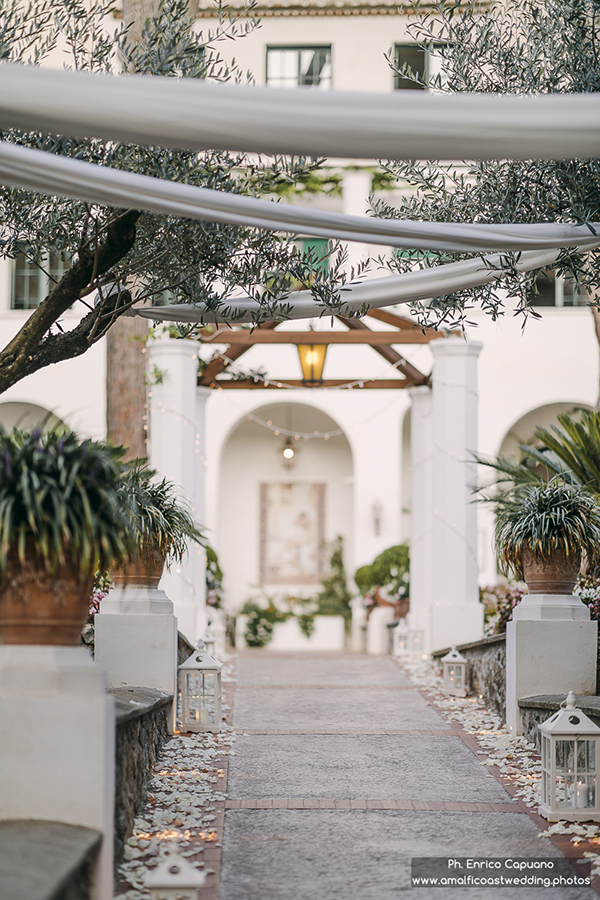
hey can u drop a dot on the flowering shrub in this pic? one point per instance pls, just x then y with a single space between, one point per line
588 588
388 574
102 585
499 600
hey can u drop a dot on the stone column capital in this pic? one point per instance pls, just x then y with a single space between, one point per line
455 346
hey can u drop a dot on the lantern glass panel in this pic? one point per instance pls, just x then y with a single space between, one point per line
200 698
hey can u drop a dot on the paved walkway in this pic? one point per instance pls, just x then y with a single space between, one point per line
342 772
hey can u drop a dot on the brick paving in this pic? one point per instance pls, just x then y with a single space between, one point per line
365 775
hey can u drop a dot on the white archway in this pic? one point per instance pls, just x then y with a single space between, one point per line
27 417
275 522
545 416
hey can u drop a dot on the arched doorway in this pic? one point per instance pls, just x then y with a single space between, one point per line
544 416
278 516
26 417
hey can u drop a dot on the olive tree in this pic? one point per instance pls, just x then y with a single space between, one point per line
115 257
513 47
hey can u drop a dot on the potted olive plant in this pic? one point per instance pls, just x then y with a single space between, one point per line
60 521
542 534
162 525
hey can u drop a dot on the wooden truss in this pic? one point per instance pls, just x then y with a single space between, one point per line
239 341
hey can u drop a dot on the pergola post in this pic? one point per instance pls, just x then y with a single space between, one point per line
174 433
421 541
456 614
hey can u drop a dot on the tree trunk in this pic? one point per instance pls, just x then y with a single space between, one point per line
126 385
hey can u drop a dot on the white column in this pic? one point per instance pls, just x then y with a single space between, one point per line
173 435
551 648
421 513
57 744
356 189
457 615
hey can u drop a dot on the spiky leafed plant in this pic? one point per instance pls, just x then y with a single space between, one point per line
158 515
544 519
59 502
571 452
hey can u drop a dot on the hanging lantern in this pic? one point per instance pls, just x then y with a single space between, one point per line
174 878
288 451
312 360
454 670
200 687
570 752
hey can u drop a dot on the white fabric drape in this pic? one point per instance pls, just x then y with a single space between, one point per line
201 115
50 174
379 292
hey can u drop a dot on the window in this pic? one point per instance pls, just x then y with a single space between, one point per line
556 291
291 67
30 284
423 63
320 250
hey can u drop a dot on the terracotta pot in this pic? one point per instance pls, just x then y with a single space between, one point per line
39 608
145 571
556 575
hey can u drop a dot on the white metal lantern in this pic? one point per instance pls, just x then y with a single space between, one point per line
200 687
454 671
416 641
174 878
570 752
400 639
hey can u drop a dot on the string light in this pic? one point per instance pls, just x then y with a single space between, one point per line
264 379
307 435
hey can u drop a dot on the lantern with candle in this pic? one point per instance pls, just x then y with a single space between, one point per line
570 750
454 671
200 687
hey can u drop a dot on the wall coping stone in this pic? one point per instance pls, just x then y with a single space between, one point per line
587 703
473 645
132 703
40 860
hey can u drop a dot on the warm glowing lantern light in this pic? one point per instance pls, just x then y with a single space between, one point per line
454 673
570 749
200 687
312 360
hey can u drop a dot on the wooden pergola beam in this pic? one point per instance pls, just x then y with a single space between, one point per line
366 336
238 384
216 366
413 375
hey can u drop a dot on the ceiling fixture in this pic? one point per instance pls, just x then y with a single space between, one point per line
288 452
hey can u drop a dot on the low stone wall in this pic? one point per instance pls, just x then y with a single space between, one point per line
486 670
42 860
141 732
535 710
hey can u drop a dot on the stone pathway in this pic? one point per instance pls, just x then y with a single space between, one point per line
342 773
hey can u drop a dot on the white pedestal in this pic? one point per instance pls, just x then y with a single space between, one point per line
57 744
359 621
378 638
551 647
136 640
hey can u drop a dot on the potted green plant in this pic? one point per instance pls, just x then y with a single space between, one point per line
60 521
543 532
162 525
